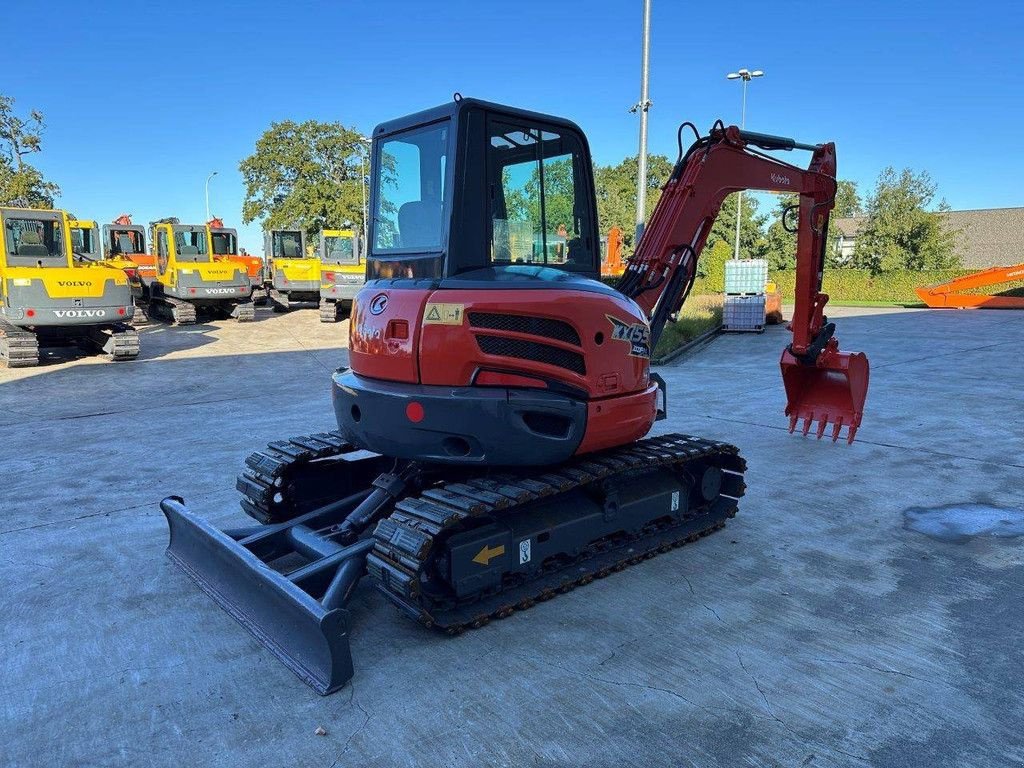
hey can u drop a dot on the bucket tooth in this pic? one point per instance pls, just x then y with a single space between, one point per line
821 426
837 428
792 423
808 420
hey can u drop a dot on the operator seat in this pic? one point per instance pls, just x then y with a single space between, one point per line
31 245
419 223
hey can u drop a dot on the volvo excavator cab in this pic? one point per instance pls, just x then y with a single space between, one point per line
294 272
342 272
188 278
224 246
53 294
124 245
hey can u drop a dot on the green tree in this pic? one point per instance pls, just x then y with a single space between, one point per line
20 182
780 245
900 232
616 187
305 174
752 242
848 202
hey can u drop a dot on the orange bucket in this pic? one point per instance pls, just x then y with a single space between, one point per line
830 391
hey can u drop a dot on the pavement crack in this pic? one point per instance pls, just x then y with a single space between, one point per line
884 670
366 719
760 690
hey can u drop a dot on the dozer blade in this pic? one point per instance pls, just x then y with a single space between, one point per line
309 639
832 391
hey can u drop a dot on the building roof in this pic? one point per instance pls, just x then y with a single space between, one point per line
986 237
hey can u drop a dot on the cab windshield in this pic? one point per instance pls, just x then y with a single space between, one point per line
34 242
340 250
190 244
224 243
287 245
126 242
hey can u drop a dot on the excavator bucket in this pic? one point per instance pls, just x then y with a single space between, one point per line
830 391
284 611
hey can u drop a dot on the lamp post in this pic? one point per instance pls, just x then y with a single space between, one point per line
208 194
744 75
642 107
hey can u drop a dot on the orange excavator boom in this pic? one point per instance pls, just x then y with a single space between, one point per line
946 294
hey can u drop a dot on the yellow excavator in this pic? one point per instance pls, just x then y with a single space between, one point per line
294 272
342 272
53 295
187 279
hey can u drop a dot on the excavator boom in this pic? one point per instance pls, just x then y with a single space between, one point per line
822 384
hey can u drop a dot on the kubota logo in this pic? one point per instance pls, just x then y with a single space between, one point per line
80 312
379 303
778 178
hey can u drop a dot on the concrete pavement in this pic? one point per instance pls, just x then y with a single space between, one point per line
818 629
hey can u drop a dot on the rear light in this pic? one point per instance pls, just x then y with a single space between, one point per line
498 379
329 276
397 329
414 412
191 290
121 311
30 313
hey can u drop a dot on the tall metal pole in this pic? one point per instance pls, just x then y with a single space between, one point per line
746 76
739 195
643 106
366 144
208 194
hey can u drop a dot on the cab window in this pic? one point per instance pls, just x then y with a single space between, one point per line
34 242
190 244
287 245
223 243
540 204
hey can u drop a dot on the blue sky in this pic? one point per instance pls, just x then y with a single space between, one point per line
143 102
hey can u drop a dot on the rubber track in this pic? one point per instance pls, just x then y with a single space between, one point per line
267 494
121 343
404 540
244 312
19 348
330 311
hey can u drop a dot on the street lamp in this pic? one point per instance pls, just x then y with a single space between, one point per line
746 76
208 217
642 107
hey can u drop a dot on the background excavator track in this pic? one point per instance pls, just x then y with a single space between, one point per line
19 347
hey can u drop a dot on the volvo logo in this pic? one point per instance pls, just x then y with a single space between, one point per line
80 312
379 303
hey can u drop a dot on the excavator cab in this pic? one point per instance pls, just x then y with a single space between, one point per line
342 272
470 188
294 272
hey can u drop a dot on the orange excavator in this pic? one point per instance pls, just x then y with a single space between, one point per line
491 449
948 294
125 243
612 264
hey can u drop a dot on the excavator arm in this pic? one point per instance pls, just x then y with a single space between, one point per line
822 384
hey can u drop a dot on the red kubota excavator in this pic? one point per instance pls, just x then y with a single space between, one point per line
491 448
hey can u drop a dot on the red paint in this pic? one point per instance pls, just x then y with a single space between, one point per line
414 412
371 351
619 420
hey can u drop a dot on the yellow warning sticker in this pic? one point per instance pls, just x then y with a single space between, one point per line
444 314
